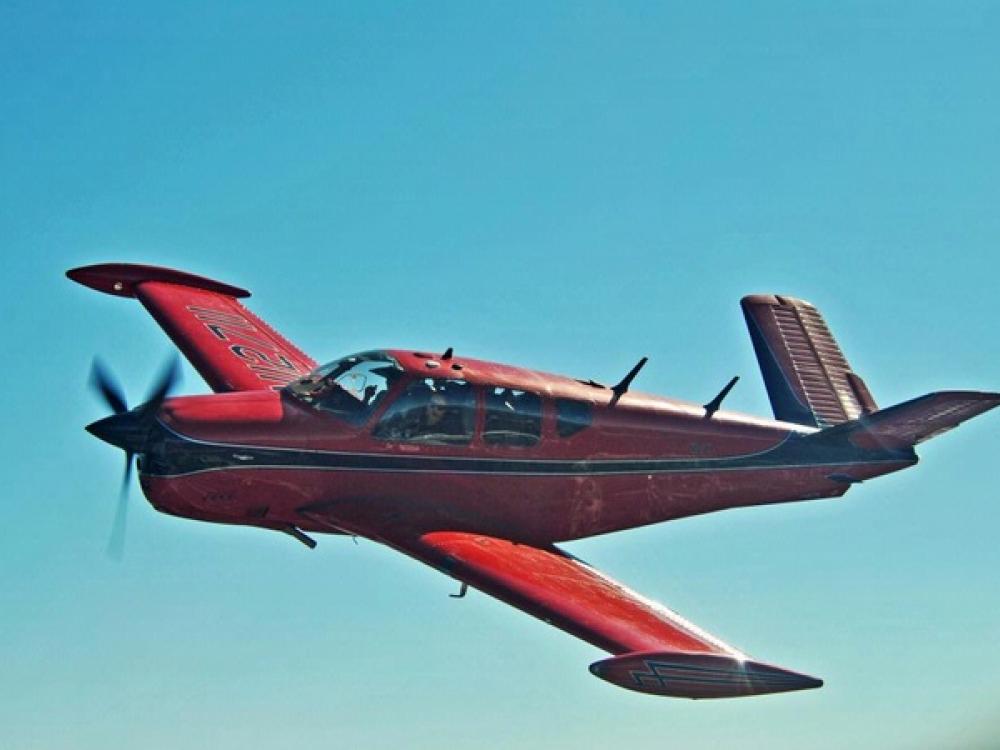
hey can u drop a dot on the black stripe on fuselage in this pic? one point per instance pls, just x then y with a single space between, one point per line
178 455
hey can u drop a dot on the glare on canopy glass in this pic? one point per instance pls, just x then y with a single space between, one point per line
351 387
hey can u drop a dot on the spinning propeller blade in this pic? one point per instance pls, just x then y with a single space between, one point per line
104 383
170 375
116 541
129 430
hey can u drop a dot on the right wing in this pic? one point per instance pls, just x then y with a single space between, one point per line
656 650
228 345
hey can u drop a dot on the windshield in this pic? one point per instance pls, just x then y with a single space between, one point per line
351 388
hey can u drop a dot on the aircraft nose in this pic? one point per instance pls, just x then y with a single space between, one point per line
125 431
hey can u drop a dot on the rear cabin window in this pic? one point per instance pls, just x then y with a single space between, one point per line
432 411
572 416
513 418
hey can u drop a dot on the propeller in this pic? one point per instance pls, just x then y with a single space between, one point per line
128 429
104 383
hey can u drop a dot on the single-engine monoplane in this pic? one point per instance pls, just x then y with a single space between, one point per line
479 469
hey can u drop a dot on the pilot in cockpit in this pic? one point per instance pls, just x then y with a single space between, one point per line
427 415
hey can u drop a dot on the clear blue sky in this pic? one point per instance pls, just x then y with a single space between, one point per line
565 186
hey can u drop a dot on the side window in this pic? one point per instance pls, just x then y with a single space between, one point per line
431 411
571 416
513 418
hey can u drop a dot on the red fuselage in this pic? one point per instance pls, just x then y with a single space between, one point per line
267 459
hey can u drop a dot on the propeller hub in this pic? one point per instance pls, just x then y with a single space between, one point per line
128 431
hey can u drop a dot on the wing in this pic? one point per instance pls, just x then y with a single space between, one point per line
228 345
656 650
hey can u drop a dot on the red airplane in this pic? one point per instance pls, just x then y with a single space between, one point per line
478 469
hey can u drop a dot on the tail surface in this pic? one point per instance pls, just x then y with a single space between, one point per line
903 426
808 379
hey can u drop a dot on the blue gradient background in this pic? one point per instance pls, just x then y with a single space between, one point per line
563 186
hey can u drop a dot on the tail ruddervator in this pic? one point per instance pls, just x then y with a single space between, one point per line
807 377
810 382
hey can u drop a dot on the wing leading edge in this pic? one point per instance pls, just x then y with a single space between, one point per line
655 650
228 345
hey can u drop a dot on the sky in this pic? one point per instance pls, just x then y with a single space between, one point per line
565 186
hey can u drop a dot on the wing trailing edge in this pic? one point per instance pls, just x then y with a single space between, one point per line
227 344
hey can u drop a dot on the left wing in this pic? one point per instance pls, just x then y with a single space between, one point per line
656 650
228 345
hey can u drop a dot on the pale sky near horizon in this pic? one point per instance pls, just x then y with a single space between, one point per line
563 186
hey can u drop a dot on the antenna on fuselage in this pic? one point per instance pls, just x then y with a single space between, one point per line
296 533
620 389
447 354
713 406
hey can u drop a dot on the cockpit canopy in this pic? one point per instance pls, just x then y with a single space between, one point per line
351 387
431 409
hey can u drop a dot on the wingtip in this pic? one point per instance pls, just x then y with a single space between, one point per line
121 279
680 674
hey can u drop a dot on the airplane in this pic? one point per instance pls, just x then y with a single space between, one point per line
480 469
